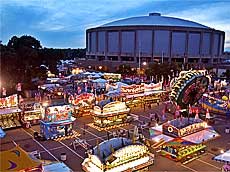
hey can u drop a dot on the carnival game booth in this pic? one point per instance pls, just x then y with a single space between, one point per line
16 159
112 76
111 114
82 104
182 150
9 112
56 121
31 114
217 105
118 154
181 127
100 85
143 98
153 87
55 90
132 89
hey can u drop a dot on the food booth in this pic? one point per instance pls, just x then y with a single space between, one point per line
181 127
118 154
111 114
153 87
56 121
182 150
82 104
112 76
132 89
31 114
9 112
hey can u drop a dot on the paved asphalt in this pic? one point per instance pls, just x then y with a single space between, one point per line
51 150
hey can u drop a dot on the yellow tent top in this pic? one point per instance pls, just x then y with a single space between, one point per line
17 159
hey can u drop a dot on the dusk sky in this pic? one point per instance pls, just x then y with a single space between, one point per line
62 23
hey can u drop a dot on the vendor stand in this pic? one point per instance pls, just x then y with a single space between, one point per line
181 127
9 112
112 76
31 114
82 104
118 154
132 89
143 98
111 114
56 121
182 150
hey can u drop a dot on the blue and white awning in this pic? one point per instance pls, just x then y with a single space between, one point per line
2 133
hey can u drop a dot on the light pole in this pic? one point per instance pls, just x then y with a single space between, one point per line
162 57
139 55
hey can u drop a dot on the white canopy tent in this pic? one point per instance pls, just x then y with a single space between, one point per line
99 80
224 157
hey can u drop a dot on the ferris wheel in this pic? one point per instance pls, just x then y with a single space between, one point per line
189 88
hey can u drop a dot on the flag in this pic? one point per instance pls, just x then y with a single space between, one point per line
19 87
78 90
86 87
197 114
3 91
207 116
190 109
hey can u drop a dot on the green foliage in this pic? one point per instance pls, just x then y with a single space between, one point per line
126 69
22 57
158 69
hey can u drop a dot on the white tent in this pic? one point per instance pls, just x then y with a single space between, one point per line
120 84
113 93
96 75
99 80
87 73
56 167
224 157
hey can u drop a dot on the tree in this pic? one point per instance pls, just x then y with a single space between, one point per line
227 74
126 70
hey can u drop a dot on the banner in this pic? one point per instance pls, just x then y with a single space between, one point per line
10 101
153 87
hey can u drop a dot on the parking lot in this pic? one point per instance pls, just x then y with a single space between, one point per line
51 149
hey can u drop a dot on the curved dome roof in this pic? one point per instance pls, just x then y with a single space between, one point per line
154 19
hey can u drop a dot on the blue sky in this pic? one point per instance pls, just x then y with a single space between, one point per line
62 23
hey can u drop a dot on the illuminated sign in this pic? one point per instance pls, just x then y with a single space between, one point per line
133 89
153 87
56 113
84 97
10 101
113 107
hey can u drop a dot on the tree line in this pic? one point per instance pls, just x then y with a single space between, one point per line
22 58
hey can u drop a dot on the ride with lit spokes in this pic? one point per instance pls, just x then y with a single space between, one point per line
189 88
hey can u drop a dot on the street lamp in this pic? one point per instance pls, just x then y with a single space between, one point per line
221 151
144 63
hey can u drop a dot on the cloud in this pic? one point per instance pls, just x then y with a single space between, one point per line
215 15
57 22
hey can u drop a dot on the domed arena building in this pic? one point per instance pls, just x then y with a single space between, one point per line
153 38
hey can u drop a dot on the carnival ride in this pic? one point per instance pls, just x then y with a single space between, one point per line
182 139
189 88
82 104
216 103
